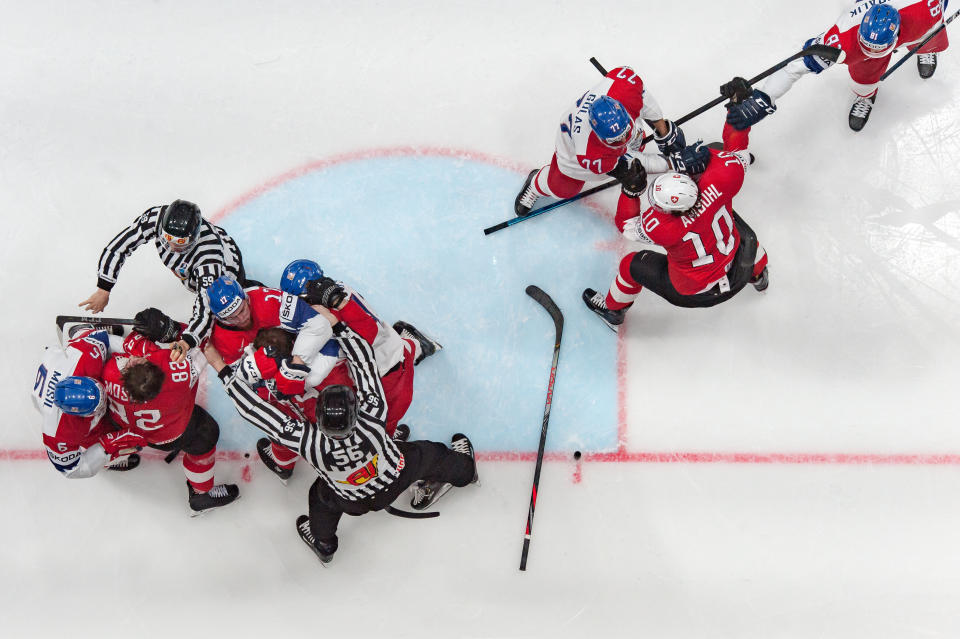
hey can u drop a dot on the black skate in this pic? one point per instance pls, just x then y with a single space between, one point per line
596 302
219 495
127 462
324 552
428 347
266 456
526 197
402 433
762 281
427 493
718 146
860 112
927 64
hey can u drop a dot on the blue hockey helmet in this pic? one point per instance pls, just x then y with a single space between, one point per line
297 274
879 30
610 120
225 296
81 396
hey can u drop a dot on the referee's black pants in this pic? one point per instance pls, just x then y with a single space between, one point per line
431 461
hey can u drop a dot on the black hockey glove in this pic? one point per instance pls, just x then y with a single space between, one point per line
737 89
672 141
156 326
692 160
325 292
750 111
632 177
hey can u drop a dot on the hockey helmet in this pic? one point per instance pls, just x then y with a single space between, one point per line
610 121
879 30
337 411
227 299
673 192
180 225
296 275
81 396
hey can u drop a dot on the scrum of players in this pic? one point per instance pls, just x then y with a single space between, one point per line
312 367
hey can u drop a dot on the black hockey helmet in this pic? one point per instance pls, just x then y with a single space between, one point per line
337 411
180 224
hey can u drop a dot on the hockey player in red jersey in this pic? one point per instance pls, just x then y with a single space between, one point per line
868 31
597 137
711 253
79 438
156 398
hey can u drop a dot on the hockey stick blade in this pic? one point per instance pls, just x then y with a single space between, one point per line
547 302
544 300
832 54
406 514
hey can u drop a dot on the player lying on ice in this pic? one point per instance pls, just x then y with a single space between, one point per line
361 468
868 32
711 253
599 136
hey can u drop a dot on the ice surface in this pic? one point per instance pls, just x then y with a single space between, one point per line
786 463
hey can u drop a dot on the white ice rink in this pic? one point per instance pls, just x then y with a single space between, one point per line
788 463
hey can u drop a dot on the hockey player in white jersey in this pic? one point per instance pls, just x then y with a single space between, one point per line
68 391
599 136
868 32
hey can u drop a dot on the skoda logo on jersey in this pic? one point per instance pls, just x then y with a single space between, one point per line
181 272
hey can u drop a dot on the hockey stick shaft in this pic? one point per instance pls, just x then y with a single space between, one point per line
912 51
544 300
823 51
63 320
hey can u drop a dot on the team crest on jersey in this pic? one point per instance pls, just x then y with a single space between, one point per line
362 475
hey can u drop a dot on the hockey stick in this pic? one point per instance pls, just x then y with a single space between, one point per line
918 47
62 320
599 66
543 300
827 53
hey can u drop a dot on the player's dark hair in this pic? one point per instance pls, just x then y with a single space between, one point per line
142 381
277 337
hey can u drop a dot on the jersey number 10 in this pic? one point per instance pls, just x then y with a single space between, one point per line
724 245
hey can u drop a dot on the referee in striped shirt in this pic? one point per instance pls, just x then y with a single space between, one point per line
361 468
194 250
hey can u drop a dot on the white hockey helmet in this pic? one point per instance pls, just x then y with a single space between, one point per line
673 192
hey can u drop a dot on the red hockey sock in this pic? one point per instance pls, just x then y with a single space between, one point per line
624 288
199 470
760 262
284 457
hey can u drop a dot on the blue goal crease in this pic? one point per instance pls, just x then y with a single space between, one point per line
419 254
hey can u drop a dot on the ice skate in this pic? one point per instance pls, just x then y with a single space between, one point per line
926 64
526 197
266 456
219 495
427 493
127 462
762 281
324 552
860 112
597 303
428 346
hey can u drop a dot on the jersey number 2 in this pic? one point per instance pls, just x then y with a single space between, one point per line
723 245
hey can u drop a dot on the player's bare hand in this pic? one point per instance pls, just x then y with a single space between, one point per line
325 312
214 358
178 350
96 302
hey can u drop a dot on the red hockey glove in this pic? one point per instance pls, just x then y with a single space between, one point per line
122 443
